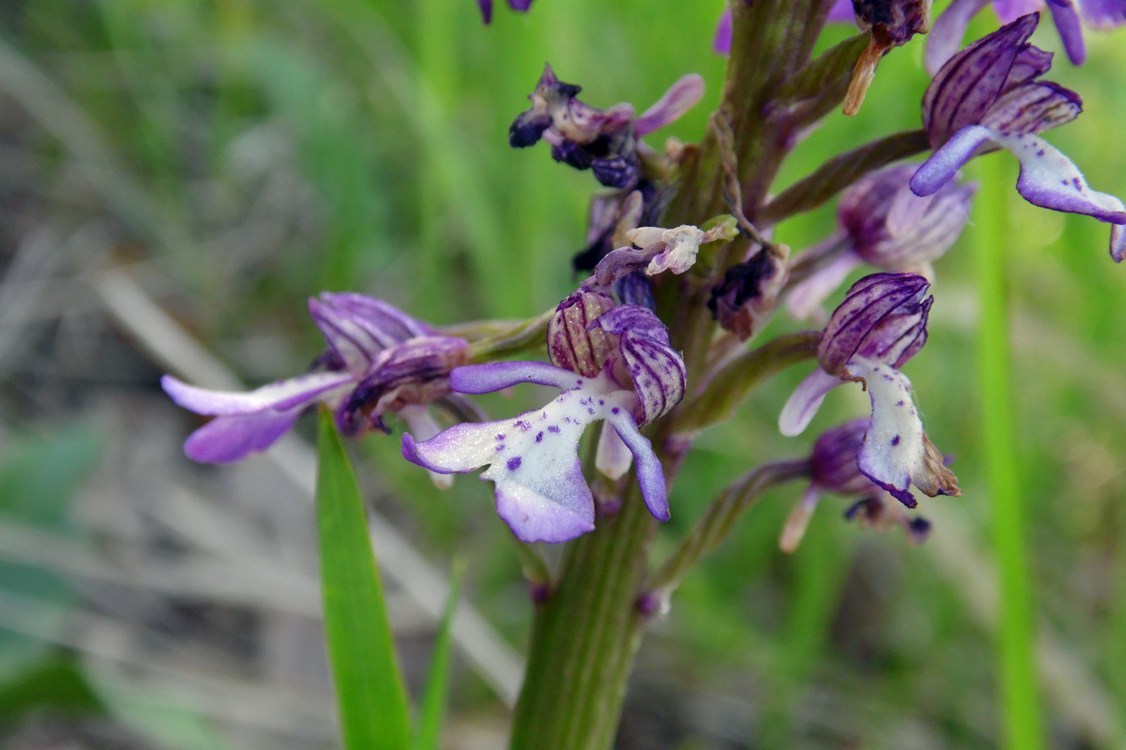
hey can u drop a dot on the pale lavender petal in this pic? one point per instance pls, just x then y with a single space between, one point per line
650 475
798 520
1104 14
227 439
1051 180
1010 10
499 375
1066 16
1033 108
946 33
806 296
944 163
681 96
422 425
463 447
554 511
612 458
722 41
281 396
804 402
894 448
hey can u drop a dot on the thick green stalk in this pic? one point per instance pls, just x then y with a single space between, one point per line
1020 701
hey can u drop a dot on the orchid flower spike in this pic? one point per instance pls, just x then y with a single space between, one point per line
885 225
604 141
611 363
881 324
950 27
989 96
833 469
379 360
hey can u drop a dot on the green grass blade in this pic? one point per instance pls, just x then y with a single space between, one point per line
374 714
435 698
1021 717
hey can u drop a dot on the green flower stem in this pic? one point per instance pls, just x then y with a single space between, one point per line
720 518
1021 715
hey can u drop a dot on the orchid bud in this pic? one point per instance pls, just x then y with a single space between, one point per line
571 342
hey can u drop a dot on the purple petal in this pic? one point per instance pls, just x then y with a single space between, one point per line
969 82
1010 10
1104 14
946 33
486 7
658 371
281 396
873 320
1033 108
499 375
1066 16
722 41
233 438
681 96
358 327
805 401
944 163
842 11
520 5
650 475
1051 180
806 296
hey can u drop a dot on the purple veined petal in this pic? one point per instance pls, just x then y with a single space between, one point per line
658 371
612 458
1104 14
486 7
358 327
499 375
1050 180
722 41
650 475
807 296
233 438
894 449
804 402
872 320
842 11
969 82
944 163
1010 10
681 96
1033 108
281 396
948 30
1066 16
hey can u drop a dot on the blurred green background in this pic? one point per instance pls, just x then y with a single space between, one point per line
177 176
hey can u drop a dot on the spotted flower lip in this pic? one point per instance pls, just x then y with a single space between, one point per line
540 489
884 224
379 359
989 96
950 27
874 332
604 141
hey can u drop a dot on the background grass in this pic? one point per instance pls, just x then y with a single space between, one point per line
237 157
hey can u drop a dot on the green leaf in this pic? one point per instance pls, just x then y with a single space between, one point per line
437 681
374 714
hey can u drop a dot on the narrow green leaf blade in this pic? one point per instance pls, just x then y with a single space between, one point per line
374 713
435 698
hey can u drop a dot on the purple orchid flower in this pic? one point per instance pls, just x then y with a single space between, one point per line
604 141
881 324
950 27
379 359
989 96
833 469
540 490
841 11
486 7
885 225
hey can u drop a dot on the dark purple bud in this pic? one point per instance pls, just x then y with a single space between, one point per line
416 372
749 292
892 228
833 461
571 342
617 171
636 289
883 318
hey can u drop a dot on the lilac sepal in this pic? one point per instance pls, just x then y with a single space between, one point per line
1066 16
832 465
875 320
807 296
1104 14
722 41
357 328
944 163
804 402
497 376
533 460
948 30
658 371
284 395
681 97
227 439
